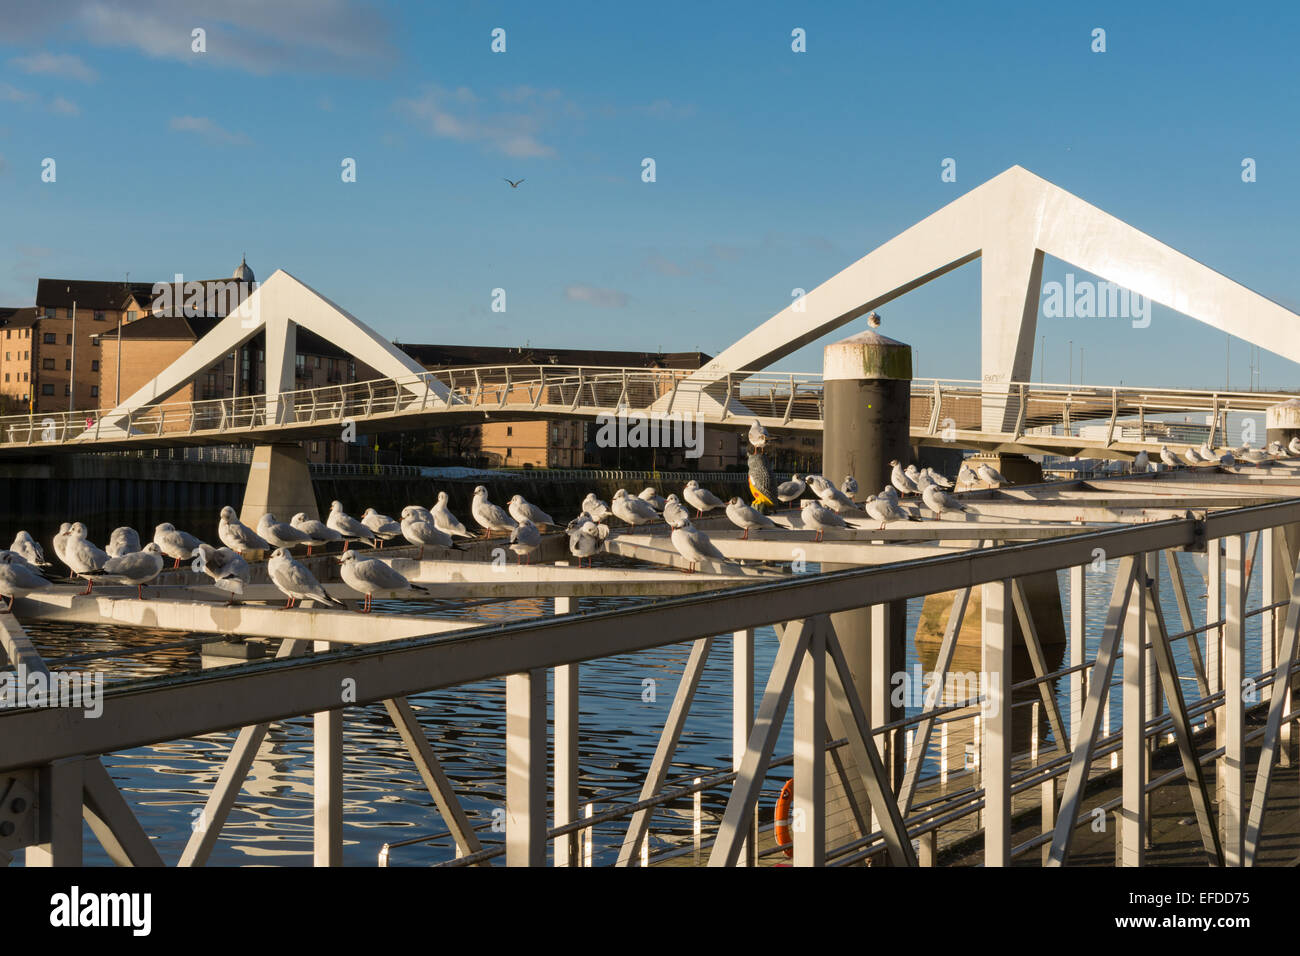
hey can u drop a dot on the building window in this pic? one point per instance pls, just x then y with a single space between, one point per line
94 365
47 363
99 315
49 312
94 391
24 376
69 313
94 340
509 430
8 332
67 365
6 356
69 342
27 356
67 390
6 376
301 360
316 360
47 389
509 453
315 447
130 316
49 338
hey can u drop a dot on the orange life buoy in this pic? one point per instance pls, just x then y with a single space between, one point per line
781 821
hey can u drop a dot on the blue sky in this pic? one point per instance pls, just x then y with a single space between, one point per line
774 169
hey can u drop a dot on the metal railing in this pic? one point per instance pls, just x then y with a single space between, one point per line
810 674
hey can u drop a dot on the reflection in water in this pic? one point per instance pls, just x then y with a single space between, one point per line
385 799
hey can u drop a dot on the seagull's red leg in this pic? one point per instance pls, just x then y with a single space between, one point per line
139 592
88 586
177 564
309 549
346 542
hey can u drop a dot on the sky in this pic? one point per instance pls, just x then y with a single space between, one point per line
773 169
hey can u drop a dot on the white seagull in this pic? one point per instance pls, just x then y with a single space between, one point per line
634 511
521 509
84 558
349 527
237 536
491 518
899 479
1192 457
940 502
317 531
694 545
990 475
29 550
674 512
295 581
61 543
653 499
179 545
444 520
19 579
1293 445
384 527
137 567
791 490
1168 457
227 568
817 517
849 486
279 534
594 508
368 575
422 531
746 517
701 499
585 537
1142 463
524 540
885 508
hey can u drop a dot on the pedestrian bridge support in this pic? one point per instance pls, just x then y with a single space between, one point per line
279 482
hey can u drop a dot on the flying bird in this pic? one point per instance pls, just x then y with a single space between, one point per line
513 184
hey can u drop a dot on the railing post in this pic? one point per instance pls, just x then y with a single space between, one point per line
996 759
565 680
526 769
1231 806
1133 730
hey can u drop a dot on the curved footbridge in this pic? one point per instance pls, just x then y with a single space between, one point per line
1186 736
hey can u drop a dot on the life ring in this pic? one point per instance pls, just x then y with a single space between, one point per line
781 819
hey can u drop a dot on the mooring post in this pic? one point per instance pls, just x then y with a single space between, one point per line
866 425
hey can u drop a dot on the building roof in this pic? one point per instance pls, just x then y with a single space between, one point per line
455 356
87 293
18 318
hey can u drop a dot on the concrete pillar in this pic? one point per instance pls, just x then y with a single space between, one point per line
1282 422
867 417
279 482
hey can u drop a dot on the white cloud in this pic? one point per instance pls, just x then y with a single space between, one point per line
65 107
56 64
251 35
11 94
460 115
602 298
204 127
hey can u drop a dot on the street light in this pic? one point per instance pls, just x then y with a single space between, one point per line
72 361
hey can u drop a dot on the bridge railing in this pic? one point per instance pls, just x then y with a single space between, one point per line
778 400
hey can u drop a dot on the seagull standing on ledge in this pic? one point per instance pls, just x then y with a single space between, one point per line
1168 457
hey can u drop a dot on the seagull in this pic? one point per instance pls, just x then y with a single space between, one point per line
349 527
237 536
694 545
885 508
835 499
1207 453
525 539
444 520
632 510
19 579
1168 457
1192 457
899 479
1275 448
84 558
521 509
26 547
280 535
175 544
316 531
937 479
227 568
654 500
384 527
966 476
1226 460
491 517
594 508
1142 463
418 512
424 532
940 502
674 512
61 543
991 475
746 517
585 537
514 184
701 499
295 581
137 567
122 541
791 490
368 575
819 518
1293 445
758 436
